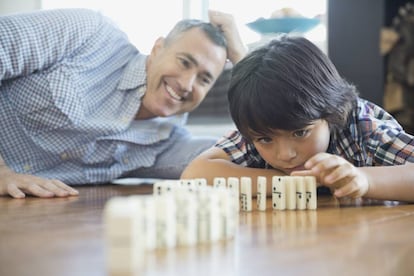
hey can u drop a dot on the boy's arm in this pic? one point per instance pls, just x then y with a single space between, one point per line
215 162
390 182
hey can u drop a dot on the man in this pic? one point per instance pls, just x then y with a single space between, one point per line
80 104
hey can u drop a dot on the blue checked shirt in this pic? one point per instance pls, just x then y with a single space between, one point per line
70 86
372 138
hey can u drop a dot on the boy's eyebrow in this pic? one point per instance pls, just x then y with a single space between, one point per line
195 62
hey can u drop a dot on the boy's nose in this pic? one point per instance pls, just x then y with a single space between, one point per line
285 153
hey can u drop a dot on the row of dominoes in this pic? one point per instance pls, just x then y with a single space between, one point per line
288 192
176 214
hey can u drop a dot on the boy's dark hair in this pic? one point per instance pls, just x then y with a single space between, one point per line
212 32
287 84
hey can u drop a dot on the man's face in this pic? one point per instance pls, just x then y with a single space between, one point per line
289 150
180 74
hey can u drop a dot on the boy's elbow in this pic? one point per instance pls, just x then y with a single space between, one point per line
192 170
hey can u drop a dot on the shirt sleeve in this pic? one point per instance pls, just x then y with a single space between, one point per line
240 150
35 41
387 142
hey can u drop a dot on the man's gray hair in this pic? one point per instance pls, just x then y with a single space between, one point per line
214 33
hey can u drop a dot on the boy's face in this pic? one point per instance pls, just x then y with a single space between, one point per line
180 74
289 150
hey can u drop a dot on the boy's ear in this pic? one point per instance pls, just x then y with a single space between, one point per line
159 44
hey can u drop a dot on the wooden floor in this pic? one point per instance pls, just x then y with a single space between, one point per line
65 237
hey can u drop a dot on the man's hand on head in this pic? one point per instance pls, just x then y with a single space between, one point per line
236 50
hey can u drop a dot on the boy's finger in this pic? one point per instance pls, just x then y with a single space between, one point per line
302 173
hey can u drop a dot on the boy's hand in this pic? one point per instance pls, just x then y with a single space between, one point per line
333 171
235 47
18 185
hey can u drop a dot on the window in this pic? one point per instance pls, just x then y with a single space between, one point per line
145 21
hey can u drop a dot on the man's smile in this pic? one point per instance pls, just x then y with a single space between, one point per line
173 94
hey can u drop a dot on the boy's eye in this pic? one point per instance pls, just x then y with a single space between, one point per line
264 140
301 133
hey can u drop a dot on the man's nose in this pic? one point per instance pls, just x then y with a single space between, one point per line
186 81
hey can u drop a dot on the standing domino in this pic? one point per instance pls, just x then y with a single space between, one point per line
261 193
233 184
219 182
290 193
124 236
279 192
166 220
310 183
200 182
246 193
186 214
300 192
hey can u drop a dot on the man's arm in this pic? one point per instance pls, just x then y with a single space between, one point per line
236 49
18 185
35 41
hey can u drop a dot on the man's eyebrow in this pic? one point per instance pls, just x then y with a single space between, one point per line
195 62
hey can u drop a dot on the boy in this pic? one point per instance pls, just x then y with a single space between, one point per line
296 116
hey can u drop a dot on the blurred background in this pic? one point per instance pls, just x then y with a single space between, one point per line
368 41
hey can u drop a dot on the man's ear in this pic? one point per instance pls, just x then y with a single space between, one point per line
159 44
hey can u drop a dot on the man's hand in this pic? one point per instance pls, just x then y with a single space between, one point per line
343 178
19 185
235 47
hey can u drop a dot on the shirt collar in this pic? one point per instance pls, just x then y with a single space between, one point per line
135 74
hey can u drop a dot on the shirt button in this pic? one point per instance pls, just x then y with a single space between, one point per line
64 156
126 160
124 119
26 167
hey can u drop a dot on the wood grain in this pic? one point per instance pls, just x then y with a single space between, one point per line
64 236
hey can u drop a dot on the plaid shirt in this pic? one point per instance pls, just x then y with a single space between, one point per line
70 86
372 138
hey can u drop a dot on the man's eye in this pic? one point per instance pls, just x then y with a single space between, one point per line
205 80
185 62
301 133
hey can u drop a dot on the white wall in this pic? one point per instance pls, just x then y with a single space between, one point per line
12 6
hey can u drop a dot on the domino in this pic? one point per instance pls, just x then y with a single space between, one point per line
279 192
219 182
165 186
165 220
188 212
246 193
186 216
290 193
124 242
209 222
200 182
311 197
146 205
233 184
203 215
228 213
189 184
294 192
300 192
261 193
